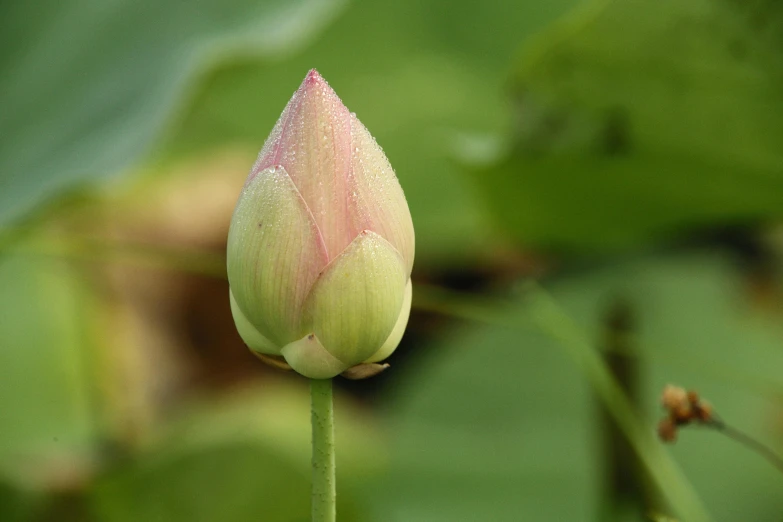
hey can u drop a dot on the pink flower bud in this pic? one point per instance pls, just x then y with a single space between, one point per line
321 243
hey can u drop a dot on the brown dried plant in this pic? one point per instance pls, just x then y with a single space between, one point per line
685 407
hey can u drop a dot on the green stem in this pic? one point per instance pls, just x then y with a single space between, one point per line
322 419
558 324
749 442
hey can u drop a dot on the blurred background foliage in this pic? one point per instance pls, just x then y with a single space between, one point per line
597 189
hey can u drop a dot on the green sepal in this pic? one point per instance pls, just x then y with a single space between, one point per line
356 302
308 357
399 328
249 334
275 253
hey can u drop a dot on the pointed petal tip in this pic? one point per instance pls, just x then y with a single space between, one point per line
314 82
313 77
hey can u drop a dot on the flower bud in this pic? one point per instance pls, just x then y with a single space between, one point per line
321 243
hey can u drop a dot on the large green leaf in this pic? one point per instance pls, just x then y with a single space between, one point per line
86 86
245 458
413 72
639 119
503 426
498 427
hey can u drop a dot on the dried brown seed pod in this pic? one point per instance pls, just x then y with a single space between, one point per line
667 430
674 397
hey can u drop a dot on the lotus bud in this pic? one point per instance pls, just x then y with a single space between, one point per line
321 243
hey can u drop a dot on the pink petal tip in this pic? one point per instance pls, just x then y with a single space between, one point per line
313 78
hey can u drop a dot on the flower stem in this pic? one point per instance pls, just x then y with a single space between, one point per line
322 418
749 442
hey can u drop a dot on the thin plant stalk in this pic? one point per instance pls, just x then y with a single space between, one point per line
324 497
557 324
749 442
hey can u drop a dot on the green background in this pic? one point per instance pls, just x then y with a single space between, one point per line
597 193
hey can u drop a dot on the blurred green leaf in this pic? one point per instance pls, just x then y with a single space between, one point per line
86 86
15 505
500 428
413 72
244 458
637 119
235 482
46 373
694 314
503 425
